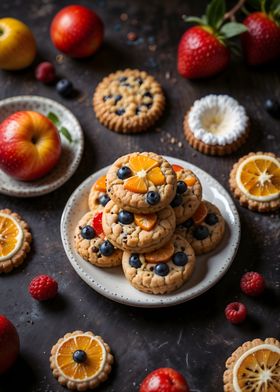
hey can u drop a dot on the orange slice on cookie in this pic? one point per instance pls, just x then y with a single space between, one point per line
161 255
11 236
141 162
200 214
136 184
156 177
146 222
258 177
177 168
190 181
100 184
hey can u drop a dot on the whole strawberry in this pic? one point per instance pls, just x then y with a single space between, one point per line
43 287
204 49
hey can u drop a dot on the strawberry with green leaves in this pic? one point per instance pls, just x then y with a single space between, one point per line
204 50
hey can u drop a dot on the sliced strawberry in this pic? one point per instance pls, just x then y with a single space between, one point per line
177 168
97 224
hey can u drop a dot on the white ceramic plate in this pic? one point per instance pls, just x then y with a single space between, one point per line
111 282
71 152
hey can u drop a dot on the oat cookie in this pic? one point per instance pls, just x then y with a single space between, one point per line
91 243
98 197
188 194
141 182
81 360
15 239
255 181
254 366
163 270
128 101
205 230
137 232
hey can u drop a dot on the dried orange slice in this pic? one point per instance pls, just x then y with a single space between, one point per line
200 214
136 184
100 184
161 255
141 162
258 369
258 177
146 222
155 176
190 181
177 168
11 236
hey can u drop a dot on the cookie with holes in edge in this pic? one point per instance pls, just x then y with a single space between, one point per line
137 232
98 197
91 243
207 232
163 270
128 101
141 182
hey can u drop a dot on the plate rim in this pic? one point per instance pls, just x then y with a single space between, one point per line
161 303
74 164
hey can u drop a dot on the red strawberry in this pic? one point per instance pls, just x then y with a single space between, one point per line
261 43
9 344
97 224
204 49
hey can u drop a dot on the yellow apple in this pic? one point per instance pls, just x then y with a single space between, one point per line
17 44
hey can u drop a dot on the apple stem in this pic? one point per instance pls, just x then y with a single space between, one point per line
231 13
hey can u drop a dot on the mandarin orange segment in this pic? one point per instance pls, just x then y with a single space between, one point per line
190 181
146 222
177 168
161 255
136 184
141 162
200 213
100 184
156 176
10 236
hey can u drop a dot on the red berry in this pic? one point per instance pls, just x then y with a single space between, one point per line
9 344
236 312
43 287
252 283
97 224
164 380
45 72
261 43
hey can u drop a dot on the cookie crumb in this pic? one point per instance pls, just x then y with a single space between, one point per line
152 48
59 58
167 75
123 17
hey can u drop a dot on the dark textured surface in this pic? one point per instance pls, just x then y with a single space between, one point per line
193 338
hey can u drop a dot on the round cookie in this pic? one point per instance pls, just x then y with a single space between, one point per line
98 197
141 182
137 232
254 366
207 234
15 239
128 101
81 360
188 194
91 243
161 271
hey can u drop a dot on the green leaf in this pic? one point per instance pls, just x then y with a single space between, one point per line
193 19
64 131
53 117
215 12
232 29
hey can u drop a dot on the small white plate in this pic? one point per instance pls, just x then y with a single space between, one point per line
71 152
111 282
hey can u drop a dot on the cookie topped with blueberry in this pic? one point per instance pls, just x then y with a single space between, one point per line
141 182
161 271
128 101
91 243
188 194
205 229
98 197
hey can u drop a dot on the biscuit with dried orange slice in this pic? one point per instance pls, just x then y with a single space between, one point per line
98 197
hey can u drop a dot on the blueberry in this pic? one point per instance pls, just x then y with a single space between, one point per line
106 97
134 261
120 112
180 259
177 201
181 187
162 269
80 356
118 98
148 105
106 248
138 110
148 94
153 198
64 87
272 107
88 232
124 172
104 199
200 232
125 217
211 219
139 80
123 79
188 223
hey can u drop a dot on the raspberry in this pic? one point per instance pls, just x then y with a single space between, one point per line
236 312
45 72
43 287
252 283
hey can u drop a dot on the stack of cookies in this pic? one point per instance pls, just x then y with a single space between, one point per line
148 215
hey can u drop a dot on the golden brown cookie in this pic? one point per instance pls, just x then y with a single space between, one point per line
128 101
15 239
255 181
81 360
254 366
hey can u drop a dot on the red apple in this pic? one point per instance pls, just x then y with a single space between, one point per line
30 145
164 380
9 344
77 31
